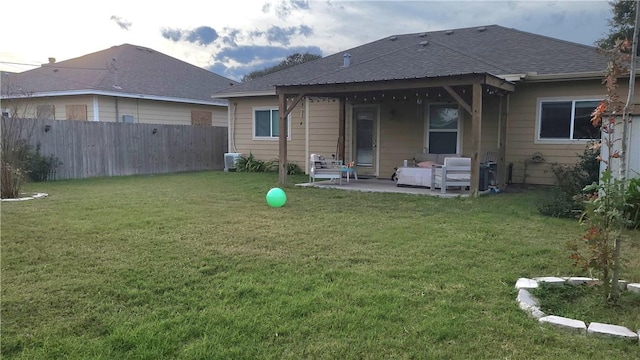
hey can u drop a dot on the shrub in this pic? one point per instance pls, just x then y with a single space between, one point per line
566 199
632 198
251 164
14 159
39 167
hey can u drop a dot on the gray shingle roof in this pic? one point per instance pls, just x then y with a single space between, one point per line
136 71
489 49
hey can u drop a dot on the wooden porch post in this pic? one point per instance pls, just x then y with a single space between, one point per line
283 112
341 130
502 151
282 139
476 125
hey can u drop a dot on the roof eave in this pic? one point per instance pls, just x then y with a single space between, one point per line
271 92
592 75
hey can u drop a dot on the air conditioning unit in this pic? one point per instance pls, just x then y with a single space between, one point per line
230 161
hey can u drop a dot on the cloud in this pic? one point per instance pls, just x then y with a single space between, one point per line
279 35
285 7
235 62
171 34
124 24
203 35
231 37
249 53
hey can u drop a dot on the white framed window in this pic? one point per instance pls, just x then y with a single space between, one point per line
266 124
560 120
443 129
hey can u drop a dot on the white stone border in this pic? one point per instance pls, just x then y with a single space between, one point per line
529 304
34 196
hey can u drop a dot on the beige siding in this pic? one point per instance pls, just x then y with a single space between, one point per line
521 132
242 139
401 134
27 108
156 112
143 111
324 128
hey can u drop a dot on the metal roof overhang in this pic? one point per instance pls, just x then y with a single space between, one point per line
342 89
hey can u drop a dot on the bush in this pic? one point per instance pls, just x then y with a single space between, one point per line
251 164
41 168
632 198
566 199
14 159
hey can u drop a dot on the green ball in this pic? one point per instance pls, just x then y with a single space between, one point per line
276 197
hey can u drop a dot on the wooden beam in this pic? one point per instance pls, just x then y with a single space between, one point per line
499 83
501 176
402 84
342 129
460 100
382 85
476 126
295 102
282 139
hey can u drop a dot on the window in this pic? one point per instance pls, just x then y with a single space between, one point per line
76 112
567 120
266 124
201 118
443 129
127 119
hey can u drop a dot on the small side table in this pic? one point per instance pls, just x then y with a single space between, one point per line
349 170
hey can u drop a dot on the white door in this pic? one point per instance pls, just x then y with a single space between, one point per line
365 142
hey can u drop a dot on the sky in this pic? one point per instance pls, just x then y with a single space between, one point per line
235 37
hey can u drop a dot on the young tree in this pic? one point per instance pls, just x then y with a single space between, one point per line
606 208
621 24
291 60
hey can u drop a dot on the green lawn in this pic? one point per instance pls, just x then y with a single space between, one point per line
197 266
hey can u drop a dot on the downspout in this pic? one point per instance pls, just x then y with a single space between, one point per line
231 131
96 108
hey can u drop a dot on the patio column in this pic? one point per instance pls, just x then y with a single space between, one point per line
282 139
502 151
284 112
476 126
341 130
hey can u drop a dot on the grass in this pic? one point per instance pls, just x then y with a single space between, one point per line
197 266
587 303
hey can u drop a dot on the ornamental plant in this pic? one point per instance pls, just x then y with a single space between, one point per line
605 213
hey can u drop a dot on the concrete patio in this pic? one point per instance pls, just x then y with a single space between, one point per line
385 186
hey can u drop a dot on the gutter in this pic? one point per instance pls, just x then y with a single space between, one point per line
245 94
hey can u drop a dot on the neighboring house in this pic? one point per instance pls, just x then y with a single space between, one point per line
470 91
126 83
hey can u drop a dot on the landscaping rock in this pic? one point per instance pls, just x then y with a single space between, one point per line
635 287
551 280
578 280
528 303
565 323
524 283
622 285
611 330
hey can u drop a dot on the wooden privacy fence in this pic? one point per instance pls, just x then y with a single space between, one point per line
91 149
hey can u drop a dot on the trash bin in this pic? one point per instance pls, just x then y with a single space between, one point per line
483 184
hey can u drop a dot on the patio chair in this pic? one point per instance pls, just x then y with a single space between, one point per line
456 171
320 168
